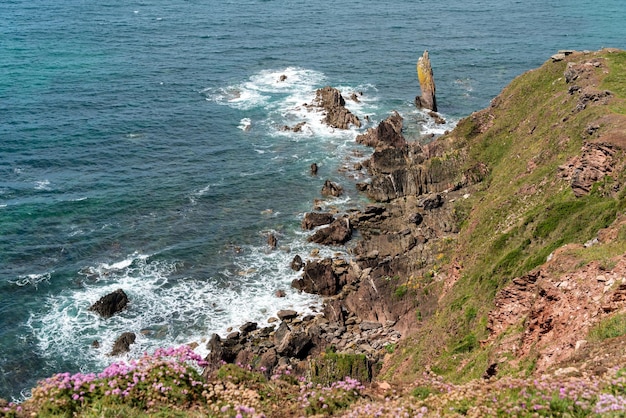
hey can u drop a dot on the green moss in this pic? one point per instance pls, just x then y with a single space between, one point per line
332 367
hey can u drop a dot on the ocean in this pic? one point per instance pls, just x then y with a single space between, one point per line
141 148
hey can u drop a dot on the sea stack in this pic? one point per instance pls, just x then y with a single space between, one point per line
427 84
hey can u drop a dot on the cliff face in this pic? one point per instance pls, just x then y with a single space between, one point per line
518 188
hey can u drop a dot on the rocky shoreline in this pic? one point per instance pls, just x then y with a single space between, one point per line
363 311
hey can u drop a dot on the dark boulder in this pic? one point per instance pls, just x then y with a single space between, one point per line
110 304
248 327
333 103
314 219
434 202
272 241
388 133
297 263
122 344
416 218
318 278
337 233
314 168
331 189
286 314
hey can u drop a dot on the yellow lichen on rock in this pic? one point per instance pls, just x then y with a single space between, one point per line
427 84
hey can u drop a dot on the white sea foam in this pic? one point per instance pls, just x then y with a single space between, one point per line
31 280
245 124
162 311
43 185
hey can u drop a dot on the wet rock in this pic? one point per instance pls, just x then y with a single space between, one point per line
248 327
314 219
338 232
331 189
318 278
314 168
122 343
333 103
286 314
388 133
297 263
280 293
272 241
110 304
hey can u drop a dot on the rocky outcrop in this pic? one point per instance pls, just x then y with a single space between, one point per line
426 79
555 311
388 133
595 162
331 189
314 219
318 278
110 304
122 343
333 103
338 232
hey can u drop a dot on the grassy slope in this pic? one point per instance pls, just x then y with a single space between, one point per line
520 214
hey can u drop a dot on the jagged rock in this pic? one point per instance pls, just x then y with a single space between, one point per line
272 241
427 84
296 128
437 117
318 278
331 189
337 116
388 133
286 314
368 326
110 304
594 164
338 232
416 218
314 219
294 344
268 361
122 343
248 327
433 202
297 263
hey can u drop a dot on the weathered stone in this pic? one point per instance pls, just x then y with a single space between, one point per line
314 219
122 343
338 232
416 218
337 116
331 189
318 278
388 133
366 325
294 344
272 241
248 327
110 304
297 263
434 202
286 314
426 79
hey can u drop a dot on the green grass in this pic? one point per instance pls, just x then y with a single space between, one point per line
611 327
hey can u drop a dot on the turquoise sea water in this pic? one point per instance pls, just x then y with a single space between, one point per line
140 148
